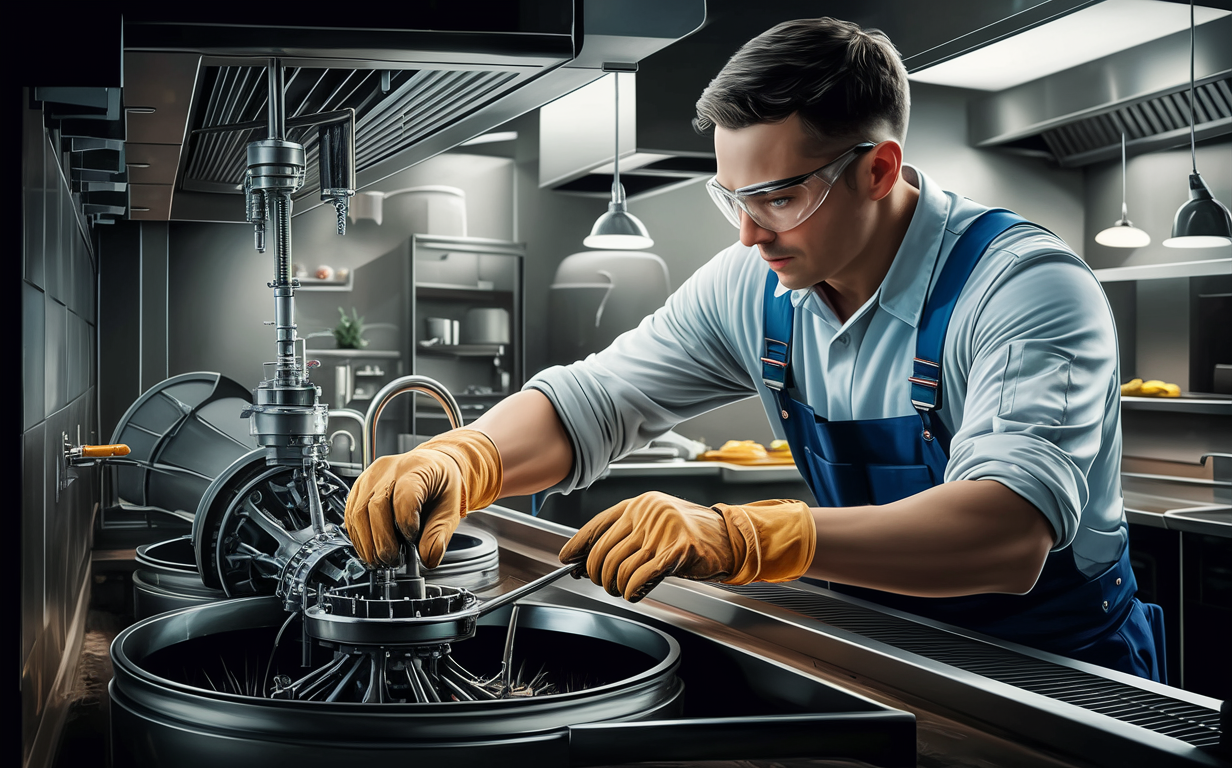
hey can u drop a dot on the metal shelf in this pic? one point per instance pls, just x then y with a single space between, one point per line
1216 406
1162 271
385 354
462 292
313 284
462 350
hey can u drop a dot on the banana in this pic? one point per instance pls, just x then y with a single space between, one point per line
1149 388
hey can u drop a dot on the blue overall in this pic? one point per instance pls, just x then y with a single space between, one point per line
878 461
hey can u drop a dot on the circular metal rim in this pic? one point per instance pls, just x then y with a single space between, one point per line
356 631
203 525
147 556
194 622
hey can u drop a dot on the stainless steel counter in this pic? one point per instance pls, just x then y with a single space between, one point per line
977 700
1177 503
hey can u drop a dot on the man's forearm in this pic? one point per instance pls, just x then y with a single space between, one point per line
961 538
534 447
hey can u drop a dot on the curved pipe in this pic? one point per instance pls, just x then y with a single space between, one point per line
412 383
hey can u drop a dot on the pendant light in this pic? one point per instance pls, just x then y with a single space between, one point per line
1203 221
1123 234
618 229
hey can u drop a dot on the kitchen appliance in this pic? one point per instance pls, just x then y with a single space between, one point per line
598 295
486 325
442 330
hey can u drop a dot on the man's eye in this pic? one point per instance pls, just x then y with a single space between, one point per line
779 202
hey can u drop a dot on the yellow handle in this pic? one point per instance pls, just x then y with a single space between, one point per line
103 451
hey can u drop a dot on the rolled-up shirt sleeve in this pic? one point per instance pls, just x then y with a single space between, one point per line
681 361
1043 367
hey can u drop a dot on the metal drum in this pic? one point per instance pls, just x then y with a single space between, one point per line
191 689
166 579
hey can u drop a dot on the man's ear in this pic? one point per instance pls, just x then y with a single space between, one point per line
884 168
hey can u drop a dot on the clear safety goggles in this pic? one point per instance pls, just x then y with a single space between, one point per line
782 205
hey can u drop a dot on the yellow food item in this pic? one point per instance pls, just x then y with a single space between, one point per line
750 452
1149 388
738 449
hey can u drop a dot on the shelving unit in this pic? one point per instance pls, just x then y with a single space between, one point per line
450 277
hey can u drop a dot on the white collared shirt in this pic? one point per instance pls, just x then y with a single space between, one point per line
1030 380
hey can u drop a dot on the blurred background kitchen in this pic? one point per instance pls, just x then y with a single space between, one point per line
459 262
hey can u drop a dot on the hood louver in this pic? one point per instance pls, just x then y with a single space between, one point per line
418 103
1164 118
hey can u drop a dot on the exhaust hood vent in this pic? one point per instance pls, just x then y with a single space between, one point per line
1076 117
1161 119
419 103
428 78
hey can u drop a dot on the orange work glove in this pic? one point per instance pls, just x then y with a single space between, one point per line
432 486
633 546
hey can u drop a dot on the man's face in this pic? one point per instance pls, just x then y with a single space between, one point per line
825 245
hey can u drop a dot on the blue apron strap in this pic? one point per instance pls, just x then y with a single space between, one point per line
776 324
930 338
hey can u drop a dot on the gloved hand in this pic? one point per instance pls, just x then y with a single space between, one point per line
633 546
431 487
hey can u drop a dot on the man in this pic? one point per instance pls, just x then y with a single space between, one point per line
946 376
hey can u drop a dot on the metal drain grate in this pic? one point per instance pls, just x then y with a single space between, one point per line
1180 720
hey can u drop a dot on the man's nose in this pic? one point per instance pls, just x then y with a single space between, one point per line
751 234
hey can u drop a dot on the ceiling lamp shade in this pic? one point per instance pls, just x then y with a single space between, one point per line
1202 221
618 230
1123 234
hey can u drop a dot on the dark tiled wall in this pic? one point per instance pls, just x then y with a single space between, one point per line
58 386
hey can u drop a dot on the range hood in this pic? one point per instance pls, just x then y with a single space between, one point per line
1076 117
431 77
659 148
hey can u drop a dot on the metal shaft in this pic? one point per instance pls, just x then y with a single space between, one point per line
277 104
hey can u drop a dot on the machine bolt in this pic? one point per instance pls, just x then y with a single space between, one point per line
1105 606
784 412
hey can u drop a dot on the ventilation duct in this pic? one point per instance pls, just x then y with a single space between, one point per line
1076 117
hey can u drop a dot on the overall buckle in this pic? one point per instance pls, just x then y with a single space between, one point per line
925 384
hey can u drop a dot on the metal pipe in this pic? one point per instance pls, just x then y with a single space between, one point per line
413 383
277 103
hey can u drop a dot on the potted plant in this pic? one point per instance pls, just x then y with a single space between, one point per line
350 330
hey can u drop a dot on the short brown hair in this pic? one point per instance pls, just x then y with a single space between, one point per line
844 81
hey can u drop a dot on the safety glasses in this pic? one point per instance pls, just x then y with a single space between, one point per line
781 205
